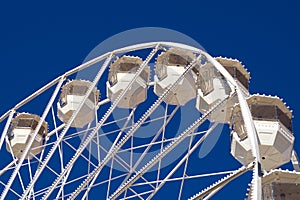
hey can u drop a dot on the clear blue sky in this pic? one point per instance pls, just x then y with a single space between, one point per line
39 41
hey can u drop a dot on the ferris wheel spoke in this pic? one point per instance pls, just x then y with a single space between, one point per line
56 134
10 189
167 149
115 141
125 128
104 118
162 143
25 153
134 196
122 163
214 188
16 164
102 182
46 166
109 180
66 138
4 133
56 144
135 127
30 176
62 186
131 146
179 178
185 168
166 119
135 147
148 146
44 190
142 146
54 131
90 154
97 135
184 159
82 155
65 178
118 159
7 167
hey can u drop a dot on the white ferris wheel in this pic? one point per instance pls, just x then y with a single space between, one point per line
122 134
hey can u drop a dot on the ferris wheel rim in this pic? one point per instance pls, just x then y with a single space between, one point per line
219 67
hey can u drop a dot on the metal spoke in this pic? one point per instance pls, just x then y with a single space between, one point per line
56 144
65 147
25 153
183 159
167 149
210 191
135 127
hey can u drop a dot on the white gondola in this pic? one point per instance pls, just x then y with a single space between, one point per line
21 130
212 87
121 73
70 98
281 185
169 66
273 123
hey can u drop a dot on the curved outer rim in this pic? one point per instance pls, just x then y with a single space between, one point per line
256 192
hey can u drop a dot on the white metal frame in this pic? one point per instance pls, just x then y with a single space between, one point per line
91 177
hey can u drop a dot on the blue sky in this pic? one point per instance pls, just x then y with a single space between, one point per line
39 41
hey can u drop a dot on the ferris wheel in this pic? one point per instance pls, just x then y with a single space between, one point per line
123 134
